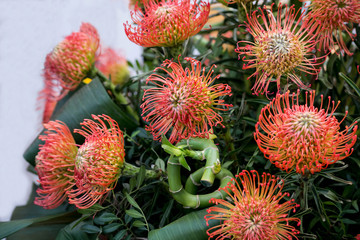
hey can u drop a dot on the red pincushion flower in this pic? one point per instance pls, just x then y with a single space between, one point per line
99 161
302 137
55 164
67 65
184 101
255 211
166 23
73 58
332 18
113 65
280 49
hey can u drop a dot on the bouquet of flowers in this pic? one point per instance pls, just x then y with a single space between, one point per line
239 122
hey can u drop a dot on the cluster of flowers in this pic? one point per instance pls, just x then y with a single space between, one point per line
184 104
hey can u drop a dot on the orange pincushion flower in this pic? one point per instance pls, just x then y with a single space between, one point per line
166 23
113 65
73 58
99 161
55 164
333 17
183 101
255 212
67 65
280 48
302 137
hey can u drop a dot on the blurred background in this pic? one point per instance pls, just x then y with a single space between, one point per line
29 30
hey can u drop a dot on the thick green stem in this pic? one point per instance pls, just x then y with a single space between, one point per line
186 198
210 153
131 170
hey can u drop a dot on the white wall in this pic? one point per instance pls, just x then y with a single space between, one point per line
29 29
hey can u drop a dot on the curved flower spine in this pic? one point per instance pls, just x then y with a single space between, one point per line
302 137
55 164
255 211
99 161
166 23
332 19
281 48
113 65
184 101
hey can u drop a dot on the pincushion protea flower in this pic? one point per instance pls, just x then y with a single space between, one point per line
55 164
73 58
99 160
67 65
255 212
302 137
184 101
333 18
281 48
166 23
113 65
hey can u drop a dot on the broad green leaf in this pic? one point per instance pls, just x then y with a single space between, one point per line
90 99
190 226
73 232
11 227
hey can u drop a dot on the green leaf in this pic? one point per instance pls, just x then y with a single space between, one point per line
138 224
90 99
104 218
160 164
91 210
73 232
90 228
120 235
183 162
190 226
112 227
351 83
133 213
141 176
132 201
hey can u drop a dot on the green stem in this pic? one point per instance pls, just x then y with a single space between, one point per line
131 170
187 199
210 153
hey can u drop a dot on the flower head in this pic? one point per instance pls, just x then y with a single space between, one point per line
333 18
302 137
255 212
99 160
55 165
114 65
73 58
166 23
184 101
66 66
280 48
